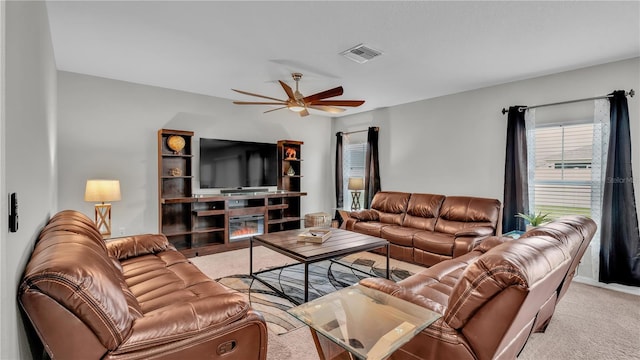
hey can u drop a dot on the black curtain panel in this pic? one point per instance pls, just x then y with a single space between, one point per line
371 167
516 185
619 237
339 175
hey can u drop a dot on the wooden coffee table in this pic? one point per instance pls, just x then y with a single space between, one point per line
340 243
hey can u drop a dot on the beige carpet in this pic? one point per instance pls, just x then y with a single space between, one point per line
590 323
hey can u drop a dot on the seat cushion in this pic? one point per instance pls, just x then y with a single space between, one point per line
399 235
435 242
160 280
372 228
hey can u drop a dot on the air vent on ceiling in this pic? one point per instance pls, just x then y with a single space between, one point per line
361 53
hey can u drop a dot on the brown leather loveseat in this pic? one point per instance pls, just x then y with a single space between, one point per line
492 298
134 297
427 228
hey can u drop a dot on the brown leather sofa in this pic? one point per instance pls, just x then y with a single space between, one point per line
427 228
134 297
492 298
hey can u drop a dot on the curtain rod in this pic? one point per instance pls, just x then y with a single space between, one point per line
357 131
520 109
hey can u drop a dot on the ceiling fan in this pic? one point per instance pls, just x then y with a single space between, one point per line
298 103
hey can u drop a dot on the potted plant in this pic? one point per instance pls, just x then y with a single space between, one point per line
534 219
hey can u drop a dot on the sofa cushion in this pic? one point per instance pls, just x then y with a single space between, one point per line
372 228
422 211
462 212
391 206
399 235
435 242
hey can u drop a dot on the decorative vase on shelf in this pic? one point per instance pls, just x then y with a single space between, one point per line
291 172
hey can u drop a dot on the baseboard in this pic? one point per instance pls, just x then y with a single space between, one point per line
616 287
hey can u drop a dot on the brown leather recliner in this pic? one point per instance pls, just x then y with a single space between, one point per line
492 298
134 297
427 228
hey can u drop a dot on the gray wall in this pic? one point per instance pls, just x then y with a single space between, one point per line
29 167
108 129
454 145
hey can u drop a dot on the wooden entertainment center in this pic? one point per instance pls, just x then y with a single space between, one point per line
205 224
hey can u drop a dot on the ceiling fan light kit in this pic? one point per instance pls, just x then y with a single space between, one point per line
297 102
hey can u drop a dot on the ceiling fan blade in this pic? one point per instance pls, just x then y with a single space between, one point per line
352 103
258 103
324 94
288 90
252 94
304 112
284 107
329 109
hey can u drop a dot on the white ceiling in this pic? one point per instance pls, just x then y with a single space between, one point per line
430 48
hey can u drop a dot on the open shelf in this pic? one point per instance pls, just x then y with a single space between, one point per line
208 212
201 225
207 230
284 220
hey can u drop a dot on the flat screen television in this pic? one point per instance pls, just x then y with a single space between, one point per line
234 164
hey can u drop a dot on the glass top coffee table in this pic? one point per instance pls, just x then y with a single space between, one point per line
368 323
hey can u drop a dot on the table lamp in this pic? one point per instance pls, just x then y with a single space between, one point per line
102 190
356 185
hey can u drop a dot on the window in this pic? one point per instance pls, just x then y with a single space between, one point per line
353 166
562 170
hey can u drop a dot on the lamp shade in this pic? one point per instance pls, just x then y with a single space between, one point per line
356 184
102 190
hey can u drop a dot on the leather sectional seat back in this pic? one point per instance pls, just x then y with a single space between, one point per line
492 298
423 211
134 297
427 228
463 212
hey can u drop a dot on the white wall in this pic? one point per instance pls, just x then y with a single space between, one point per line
29 167
108 129
455 144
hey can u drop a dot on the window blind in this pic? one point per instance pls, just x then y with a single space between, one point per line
353 166
562 180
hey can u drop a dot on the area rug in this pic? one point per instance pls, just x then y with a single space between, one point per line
324 277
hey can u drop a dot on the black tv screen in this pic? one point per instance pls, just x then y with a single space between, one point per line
233 164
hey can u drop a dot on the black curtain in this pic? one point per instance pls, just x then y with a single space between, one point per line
516 185
339 175
619 241
371 167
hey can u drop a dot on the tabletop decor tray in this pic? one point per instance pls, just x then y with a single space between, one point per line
314 235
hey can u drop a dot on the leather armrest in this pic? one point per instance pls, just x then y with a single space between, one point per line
491 242
132 246
381 284
365 215
393 289
349 224
467 239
